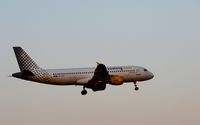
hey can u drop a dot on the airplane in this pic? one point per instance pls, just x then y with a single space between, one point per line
95 78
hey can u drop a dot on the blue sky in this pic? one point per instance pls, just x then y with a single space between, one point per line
162 36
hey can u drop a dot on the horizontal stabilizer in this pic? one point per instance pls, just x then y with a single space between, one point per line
27 73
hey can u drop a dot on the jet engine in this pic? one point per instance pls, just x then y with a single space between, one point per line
116 80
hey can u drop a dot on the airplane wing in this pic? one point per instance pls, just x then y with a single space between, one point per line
100 79
101 74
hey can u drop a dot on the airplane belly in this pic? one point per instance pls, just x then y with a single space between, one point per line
66 80
55 80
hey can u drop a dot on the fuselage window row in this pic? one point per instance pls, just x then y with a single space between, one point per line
78 73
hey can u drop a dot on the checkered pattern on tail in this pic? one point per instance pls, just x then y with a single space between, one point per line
24 61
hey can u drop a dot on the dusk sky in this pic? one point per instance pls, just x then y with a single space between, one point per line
160 35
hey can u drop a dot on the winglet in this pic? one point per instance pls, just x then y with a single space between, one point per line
98 62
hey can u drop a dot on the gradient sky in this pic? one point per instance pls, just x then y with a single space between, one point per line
161 35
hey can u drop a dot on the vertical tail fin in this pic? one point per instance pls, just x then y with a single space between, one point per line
24 60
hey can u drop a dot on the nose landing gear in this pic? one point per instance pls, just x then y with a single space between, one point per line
84 92
136 87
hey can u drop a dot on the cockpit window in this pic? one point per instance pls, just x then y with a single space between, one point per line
145 70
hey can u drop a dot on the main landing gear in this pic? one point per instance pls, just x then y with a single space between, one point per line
136 87
84 92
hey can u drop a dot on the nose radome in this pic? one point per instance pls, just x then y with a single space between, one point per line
151 75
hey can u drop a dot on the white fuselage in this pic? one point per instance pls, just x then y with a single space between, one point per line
80 76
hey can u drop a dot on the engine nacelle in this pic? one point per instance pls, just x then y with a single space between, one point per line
116 80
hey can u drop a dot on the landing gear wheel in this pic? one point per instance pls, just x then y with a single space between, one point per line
84 92
136 88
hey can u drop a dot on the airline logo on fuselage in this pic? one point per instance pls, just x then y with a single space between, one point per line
121 68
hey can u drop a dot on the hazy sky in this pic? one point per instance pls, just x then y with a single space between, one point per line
161 35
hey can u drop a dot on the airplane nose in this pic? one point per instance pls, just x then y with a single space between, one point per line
151 75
